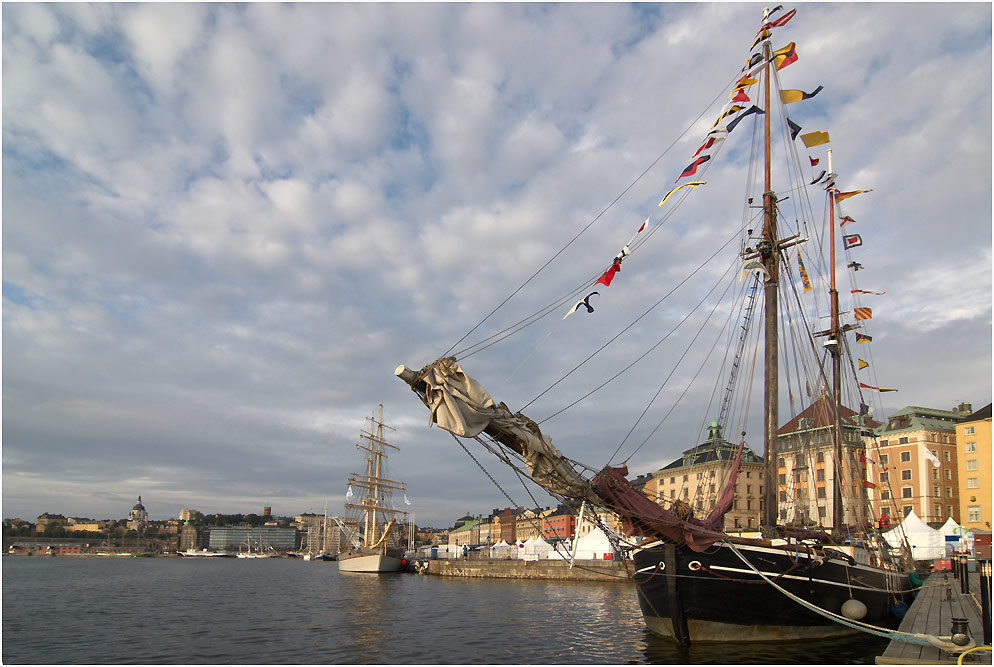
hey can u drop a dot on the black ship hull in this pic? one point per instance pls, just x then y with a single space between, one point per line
715 596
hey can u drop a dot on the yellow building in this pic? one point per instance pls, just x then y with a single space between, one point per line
699 476
973 445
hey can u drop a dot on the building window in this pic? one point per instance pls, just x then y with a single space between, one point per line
971 464
885 495
821 491
969 430
672 493
949 492
949 474
748 474
783 478
820 457
949 510
783 496
883 443
820 475
750 520
780 463
821 512
906 509
948 456
711 488
672 480
906 492
885 477
935 473
906 474
883 459
902 441
938 512
970 447
973 513
685 478
972 482
685 492
936 490
905 456
749 489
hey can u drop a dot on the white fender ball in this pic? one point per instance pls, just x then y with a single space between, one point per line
853 609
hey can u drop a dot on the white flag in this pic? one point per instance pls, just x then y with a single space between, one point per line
931 457
349 494
406 501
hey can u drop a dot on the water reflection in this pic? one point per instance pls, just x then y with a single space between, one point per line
174 611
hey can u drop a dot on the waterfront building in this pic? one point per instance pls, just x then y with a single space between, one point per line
916 465
46 519
85 526
807 465
185 514
973 453
484 531
698 477
192 537
137 517
560 525
495 527
467 531
267 511
264 537
508 526
529 523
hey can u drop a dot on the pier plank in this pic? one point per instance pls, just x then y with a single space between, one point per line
932 612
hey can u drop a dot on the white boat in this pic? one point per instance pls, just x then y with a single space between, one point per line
202 553
376 550
257 553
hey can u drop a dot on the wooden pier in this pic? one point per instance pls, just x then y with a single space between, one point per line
932 612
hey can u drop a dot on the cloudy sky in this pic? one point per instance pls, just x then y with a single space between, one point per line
225 225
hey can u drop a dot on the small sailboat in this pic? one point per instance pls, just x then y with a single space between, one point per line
373 543
801 575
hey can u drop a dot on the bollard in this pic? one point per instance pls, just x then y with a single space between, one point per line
954 563
984 567
964 575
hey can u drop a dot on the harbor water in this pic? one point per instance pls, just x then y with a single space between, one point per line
288 611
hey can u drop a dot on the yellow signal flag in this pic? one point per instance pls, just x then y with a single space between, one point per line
815 138
862 364
690 184
863 313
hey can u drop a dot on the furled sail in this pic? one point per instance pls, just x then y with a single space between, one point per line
460 405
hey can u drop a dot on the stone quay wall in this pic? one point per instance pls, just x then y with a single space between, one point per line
584 570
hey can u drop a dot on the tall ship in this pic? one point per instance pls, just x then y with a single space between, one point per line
373 543
815 566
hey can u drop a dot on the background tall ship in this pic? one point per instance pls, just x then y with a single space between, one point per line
373 546
817 567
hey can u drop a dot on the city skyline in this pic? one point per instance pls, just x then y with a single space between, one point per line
226 225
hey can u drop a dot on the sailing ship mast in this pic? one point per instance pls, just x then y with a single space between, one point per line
770 256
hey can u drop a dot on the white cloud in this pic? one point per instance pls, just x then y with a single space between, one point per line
225 226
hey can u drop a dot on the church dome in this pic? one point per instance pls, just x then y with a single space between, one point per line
138 505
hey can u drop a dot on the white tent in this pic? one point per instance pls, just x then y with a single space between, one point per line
926 542
500 550
594 546
953 533
537 547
